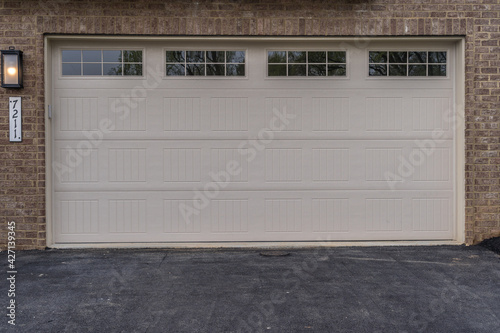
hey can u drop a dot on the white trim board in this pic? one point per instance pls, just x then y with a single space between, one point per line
459 102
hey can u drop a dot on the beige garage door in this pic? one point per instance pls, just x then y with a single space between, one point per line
192 141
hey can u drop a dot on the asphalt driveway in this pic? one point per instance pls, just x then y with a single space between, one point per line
361 289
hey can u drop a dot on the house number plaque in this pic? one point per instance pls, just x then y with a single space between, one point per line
15 119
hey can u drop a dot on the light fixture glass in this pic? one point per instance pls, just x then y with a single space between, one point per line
12 69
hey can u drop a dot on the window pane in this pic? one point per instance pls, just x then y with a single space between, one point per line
195 56
92 69
91 56
317 70
112 69
71 56
215 69
276 70
235 56
378 57
336 70
316 57
437 70
111 56
175 70
337 57
175 56
196 70
397 70
397 57
378 70
215 56
132 56
71 69
437 57
417 70
296 70
276 57
297 57
417 57
132 69
235 70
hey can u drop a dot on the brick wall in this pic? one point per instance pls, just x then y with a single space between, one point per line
23 24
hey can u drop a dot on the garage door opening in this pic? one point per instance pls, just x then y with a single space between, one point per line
161 141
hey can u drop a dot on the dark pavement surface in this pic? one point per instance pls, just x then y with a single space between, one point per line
359 289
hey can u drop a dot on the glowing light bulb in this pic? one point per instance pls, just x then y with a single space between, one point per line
11 70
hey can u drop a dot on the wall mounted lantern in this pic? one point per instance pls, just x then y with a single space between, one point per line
12 68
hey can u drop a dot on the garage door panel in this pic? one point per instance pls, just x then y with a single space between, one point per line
416 164
229 114
70 167
316 117
127 114
384 114
77 215
287 164
245 215
182 114
330 115
415 213
229 215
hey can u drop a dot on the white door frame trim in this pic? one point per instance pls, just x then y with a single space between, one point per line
459 162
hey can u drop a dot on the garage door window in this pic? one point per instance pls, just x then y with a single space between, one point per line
205 63
101 62
407 63
306 63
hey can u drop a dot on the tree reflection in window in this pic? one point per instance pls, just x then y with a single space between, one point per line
122 62
306 63
205 63
102 62
407 63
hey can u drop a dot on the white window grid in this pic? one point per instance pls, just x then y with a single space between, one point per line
307 63
102 62
205 63
408 64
